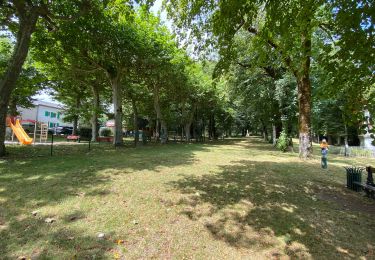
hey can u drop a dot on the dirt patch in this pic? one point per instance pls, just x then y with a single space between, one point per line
349 201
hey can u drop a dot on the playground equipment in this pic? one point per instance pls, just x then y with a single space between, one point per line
20 132
41 129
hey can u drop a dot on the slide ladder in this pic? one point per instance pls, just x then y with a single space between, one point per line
20 132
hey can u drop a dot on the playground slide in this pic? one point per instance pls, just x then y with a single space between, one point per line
20 133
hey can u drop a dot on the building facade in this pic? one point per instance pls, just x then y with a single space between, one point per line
45 112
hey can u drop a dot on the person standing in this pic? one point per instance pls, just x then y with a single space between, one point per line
324 148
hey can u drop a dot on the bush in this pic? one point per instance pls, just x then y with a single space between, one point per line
283 142
85 133
106 132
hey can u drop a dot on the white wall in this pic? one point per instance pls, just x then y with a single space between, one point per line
41 109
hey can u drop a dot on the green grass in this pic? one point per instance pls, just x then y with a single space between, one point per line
231 199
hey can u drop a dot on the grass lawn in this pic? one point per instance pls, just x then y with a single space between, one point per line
232 199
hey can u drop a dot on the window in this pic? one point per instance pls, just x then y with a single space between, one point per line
57 124
53 115
46 113
58 115
51 125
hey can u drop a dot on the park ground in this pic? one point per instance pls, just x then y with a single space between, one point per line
230 199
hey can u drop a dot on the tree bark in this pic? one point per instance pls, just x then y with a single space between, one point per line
187 131
94 118
164 132
12 108
346 152
117 107
304 99
76 117
188 124
211 127
265 132
163 135
14 67
75 125
273 134
135 118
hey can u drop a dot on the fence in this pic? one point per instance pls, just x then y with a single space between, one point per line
353 151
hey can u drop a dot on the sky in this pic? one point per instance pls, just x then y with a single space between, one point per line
44 96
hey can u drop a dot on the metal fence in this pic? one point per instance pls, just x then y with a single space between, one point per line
353 151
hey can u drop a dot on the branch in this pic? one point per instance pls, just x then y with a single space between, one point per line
244 65
44 10
239 26
270 71
85 55
287 59
50 18
85 70
326 30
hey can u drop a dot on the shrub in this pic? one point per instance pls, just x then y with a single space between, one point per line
106 132
85 133
283 142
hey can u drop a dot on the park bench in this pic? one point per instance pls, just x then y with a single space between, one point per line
369 186
73 138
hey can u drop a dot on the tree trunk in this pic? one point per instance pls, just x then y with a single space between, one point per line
135 118
117 107
211 127
157 131
76 117
163 135
265 132
164 132
304 100
188 124
75 126
273 134
187 131
12 108
346 153
338 143
94 118
13 70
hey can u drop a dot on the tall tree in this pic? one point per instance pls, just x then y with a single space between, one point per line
285 27
21 17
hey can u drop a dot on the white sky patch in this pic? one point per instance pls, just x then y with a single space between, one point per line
157 10
45 96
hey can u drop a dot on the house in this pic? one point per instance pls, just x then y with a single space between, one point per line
46 112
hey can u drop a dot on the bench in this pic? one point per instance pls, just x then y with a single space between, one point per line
370 190
369 186
73 138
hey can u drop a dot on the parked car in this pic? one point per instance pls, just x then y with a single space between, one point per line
64 130
51 131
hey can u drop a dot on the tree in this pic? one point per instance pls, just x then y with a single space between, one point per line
284 27
28 84
21 17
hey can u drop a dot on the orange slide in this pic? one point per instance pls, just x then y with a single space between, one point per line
20 133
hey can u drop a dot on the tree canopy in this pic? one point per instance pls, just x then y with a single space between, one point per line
304 68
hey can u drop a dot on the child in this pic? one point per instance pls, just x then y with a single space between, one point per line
324 147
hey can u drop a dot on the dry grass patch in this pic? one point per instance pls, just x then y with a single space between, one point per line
231 199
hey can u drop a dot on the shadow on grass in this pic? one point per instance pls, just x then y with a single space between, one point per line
274 206
29 184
